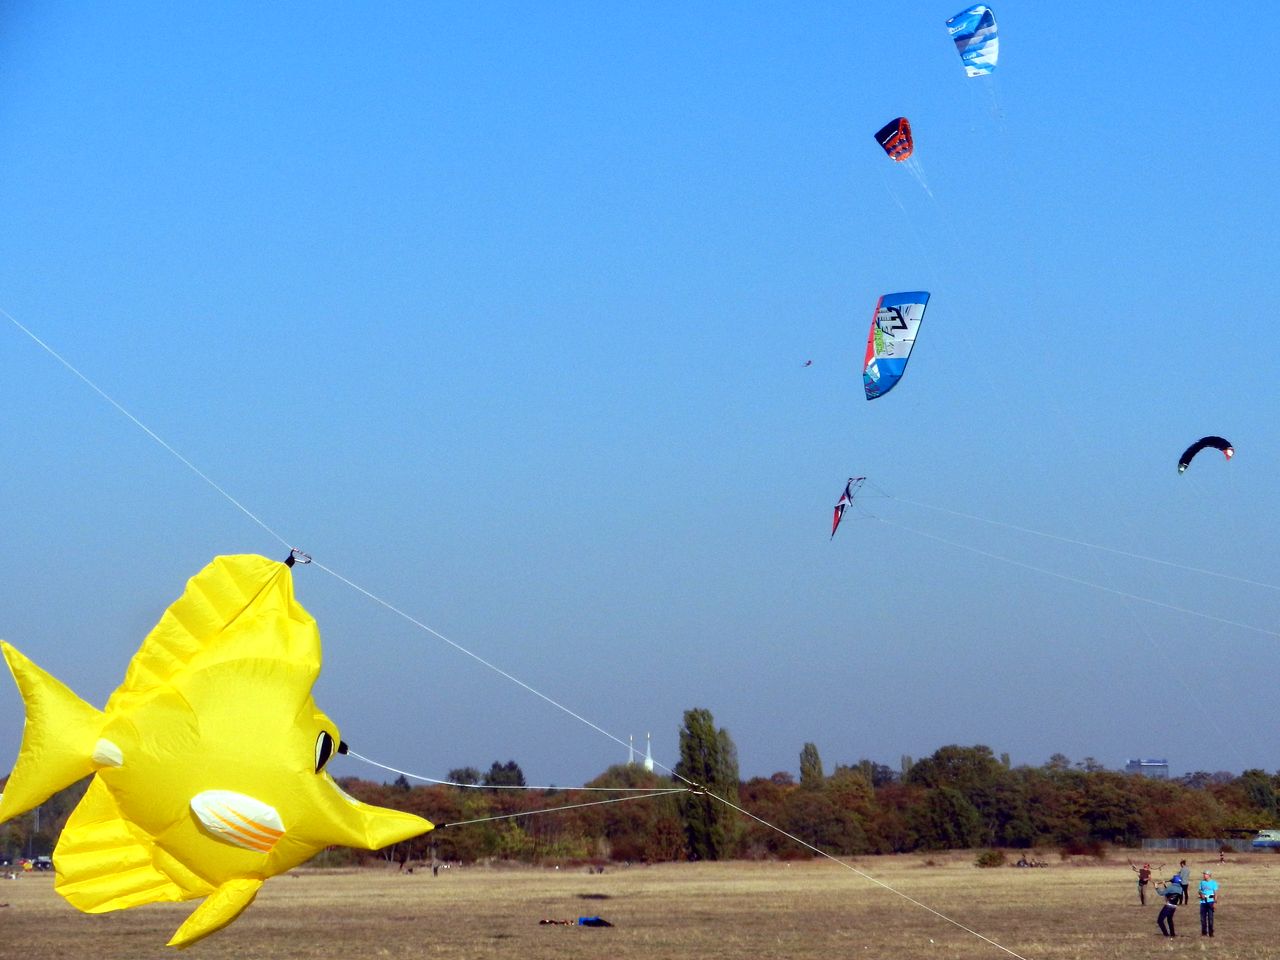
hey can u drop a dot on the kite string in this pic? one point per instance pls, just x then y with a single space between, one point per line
120 408
648 794
144 428
866 876
910 221
507 786
1083 543
387 605
567 806
1079 580
1142 627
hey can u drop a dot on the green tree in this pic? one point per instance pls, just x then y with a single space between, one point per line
811 775
947 821
765 798
889 826
466 775
627 831
1112 808
506 774
709 760
876 774
1259 793
1057 762
814 816
977 775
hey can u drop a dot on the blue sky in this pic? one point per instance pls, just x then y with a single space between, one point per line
501 313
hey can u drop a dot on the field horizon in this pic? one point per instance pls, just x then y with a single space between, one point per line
786 909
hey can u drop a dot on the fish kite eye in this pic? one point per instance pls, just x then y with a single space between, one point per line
325 749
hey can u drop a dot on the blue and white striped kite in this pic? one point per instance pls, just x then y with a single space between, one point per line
974 31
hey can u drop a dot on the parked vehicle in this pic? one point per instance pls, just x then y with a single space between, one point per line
1266 839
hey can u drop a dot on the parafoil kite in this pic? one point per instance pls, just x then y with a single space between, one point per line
208 762
974 33
893 334
895 137
846 498
1216 442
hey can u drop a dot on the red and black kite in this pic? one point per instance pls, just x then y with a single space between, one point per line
895 137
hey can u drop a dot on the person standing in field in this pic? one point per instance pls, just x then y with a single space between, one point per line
1184 880
1172 894
1144 877
1208 901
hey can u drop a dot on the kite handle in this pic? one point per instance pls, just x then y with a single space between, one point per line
296 556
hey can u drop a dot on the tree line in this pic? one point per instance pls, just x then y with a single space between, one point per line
959 797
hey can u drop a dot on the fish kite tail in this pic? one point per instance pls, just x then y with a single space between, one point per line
59 739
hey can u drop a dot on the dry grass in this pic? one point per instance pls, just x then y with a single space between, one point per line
707 911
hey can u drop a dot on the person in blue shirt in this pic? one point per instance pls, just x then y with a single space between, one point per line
1208 900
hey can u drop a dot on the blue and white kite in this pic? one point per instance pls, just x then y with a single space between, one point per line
974 31
893 334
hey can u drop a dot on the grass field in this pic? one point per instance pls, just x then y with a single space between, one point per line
705 911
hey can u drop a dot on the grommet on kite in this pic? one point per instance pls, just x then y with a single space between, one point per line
208 761
895 137
974 33
850 490
1217 443
893 334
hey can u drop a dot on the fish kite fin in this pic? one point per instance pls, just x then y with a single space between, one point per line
58 740
224 905
105 863
198 626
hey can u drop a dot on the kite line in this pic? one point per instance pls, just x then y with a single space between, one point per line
695 787
1079 580
634 793
568 806
144 428
505 786
1115 592
868 877
1080 543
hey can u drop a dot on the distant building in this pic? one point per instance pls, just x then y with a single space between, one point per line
1156 769
648 751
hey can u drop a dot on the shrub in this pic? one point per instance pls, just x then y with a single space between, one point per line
1083 848
990 858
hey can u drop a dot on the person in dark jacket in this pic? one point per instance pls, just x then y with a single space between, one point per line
1172 894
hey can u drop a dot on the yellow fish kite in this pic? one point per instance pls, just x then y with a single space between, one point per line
208 761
